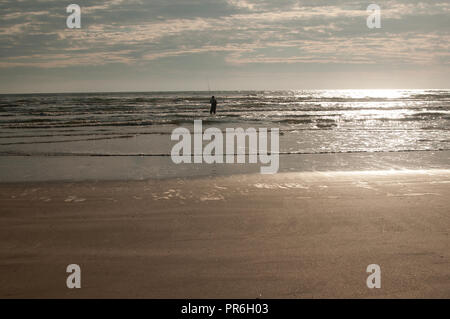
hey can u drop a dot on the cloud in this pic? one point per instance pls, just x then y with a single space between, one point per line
242 4
68 59
235 33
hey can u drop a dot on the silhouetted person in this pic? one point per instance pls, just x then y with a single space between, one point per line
213 102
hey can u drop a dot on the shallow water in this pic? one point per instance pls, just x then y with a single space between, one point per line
71 128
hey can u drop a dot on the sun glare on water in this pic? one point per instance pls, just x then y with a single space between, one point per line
375 93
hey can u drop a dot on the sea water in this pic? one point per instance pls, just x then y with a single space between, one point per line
127 135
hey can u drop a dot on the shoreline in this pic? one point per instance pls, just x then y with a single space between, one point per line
290 235
245 175
137 168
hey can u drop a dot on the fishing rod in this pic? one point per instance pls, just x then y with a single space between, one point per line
209 87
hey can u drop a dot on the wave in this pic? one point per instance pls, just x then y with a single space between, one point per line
87 154
66 141
60 133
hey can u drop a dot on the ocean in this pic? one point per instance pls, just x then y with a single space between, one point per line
36 129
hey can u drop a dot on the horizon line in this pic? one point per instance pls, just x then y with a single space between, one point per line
203 91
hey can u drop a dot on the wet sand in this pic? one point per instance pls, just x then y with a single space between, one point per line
291 235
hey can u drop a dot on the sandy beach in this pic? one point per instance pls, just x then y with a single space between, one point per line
238 149
290 235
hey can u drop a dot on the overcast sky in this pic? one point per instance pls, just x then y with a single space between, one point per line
137 45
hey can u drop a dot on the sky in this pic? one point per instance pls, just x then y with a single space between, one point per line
183 45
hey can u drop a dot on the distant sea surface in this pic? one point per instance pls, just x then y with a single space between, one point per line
312 121
140 124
